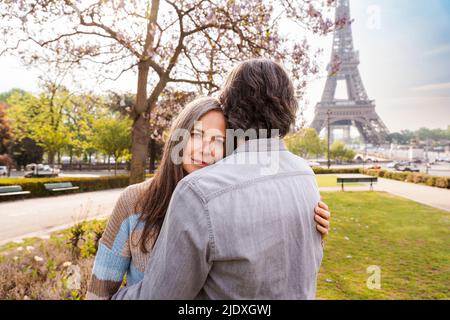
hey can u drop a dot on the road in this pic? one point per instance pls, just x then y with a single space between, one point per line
34 217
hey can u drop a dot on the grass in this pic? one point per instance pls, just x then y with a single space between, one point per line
330 181
407 240
326 181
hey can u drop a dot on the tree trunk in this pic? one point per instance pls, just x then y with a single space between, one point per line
71 157
139 149
152 156
141 127
51 157
109 163
90 161
143 107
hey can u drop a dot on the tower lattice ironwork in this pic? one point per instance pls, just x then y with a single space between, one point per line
357 110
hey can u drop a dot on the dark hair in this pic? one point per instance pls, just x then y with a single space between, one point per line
153 205
258 94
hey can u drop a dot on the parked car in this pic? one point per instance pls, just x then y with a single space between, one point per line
409 167
313 164
40 170
392 165
3 170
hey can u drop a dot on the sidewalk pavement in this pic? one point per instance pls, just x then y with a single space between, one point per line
432 196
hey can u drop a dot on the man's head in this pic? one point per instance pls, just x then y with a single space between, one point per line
258 94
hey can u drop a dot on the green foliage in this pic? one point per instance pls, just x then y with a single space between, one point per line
340 153
4 96
113 137
83 112
76 236
305 143
320 170
412 177
5 131
37 189
41 118
26 151
423 134
62 122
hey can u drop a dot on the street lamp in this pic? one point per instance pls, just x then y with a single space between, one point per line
328 140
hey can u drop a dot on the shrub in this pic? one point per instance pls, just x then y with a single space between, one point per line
320 170
419 178
400 176
442 182
37 188
430 181
410 178
42 271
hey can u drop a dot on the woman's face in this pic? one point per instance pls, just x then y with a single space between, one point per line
206 143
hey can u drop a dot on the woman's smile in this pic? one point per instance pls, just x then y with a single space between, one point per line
199 163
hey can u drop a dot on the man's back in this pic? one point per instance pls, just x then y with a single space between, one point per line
266 245
238 230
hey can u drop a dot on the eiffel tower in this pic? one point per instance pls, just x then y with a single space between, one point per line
357 110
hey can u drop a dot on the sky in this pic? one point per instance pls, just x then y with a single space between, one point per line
404 48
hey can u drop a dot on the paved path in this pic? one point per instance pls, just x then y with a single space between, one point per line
35 217
434 197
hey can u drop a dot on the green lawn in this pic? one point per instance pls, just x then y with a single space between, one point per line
407 240
330 181
326 181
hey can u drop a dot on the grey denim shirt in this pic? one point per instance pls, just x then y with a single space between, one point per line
242 228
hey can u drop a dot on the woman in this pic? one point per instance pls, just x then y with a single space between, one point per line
139 213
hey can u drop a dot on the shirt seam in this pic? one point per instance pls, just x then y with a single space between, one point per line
255 181
202 197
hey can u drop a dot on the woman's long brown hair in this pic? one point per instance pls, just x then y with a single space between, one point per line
153 206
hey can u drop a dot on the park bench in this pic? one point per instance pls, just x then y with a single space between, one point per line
12 191
60 186
358 178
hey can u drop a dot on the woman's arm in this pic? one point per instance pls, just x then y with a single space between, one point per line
322 218
107 274
113 256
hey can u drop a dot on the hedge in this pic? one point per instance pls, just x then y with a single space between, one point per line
37 189
412 177
319 170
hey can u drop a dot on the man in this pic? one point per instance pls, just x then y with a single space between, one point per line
242 228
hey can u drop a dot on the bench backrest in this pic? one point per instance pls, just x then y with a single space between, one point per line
368 179
8 189
58 185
